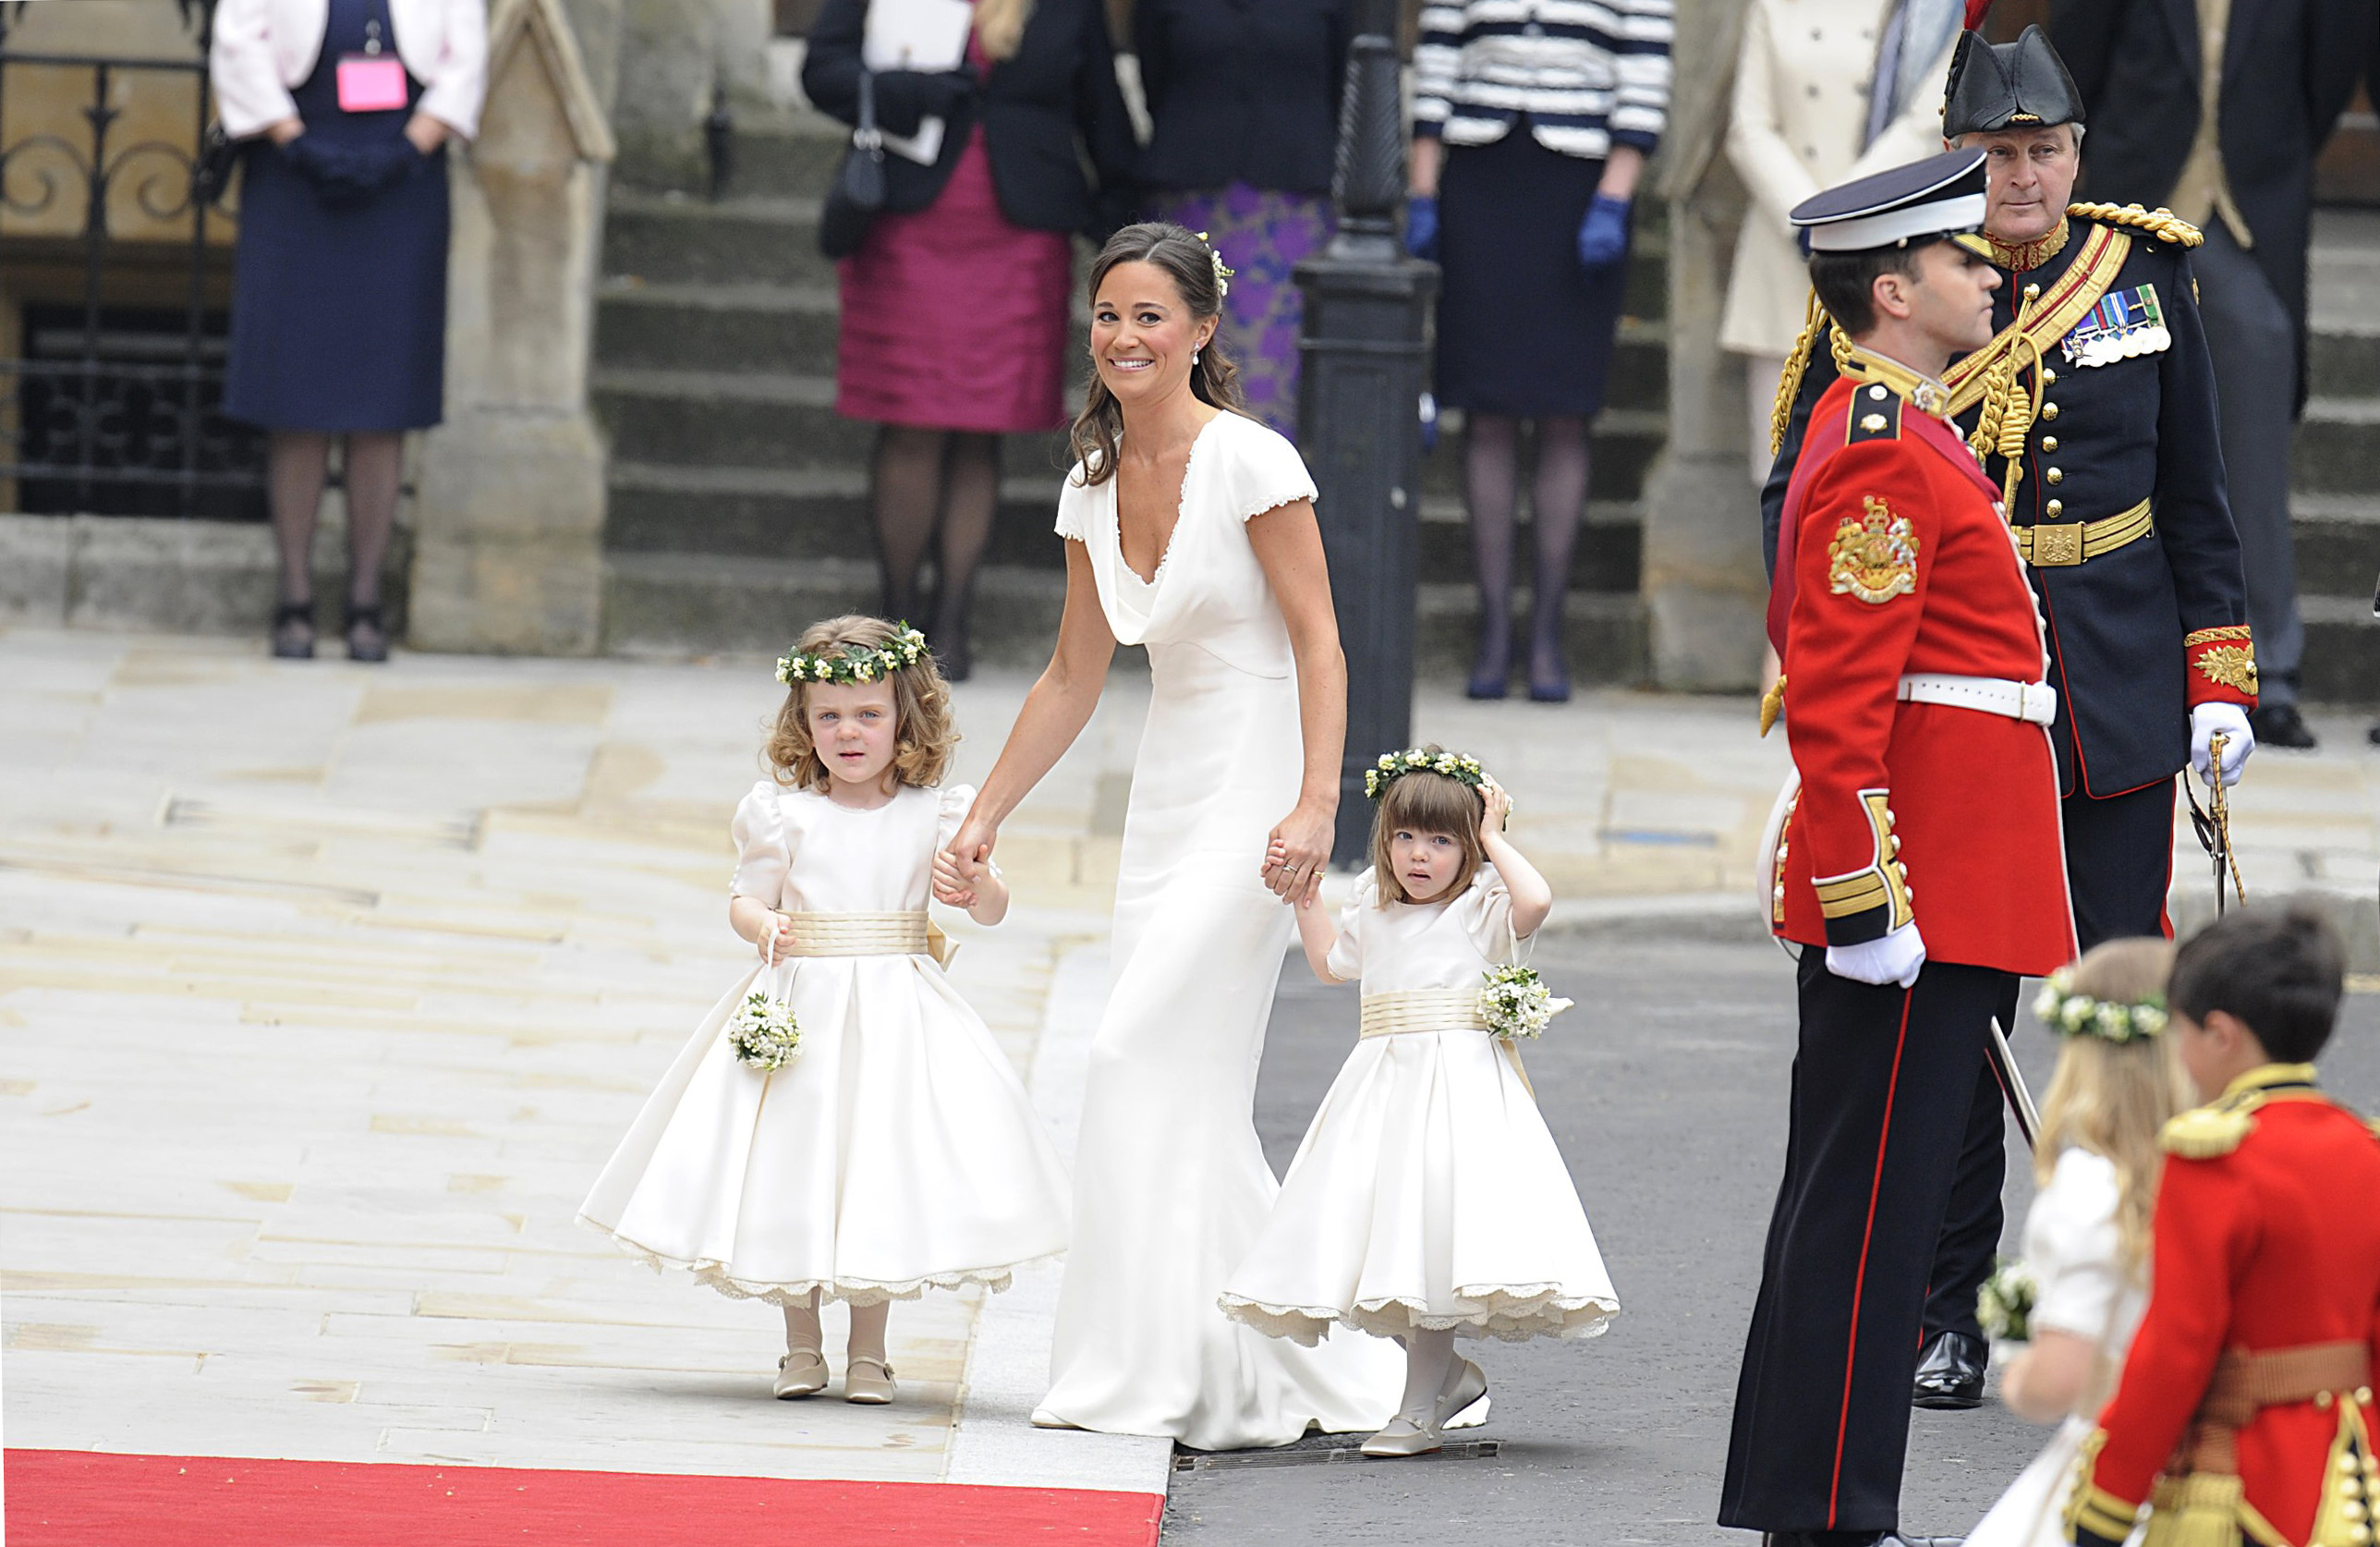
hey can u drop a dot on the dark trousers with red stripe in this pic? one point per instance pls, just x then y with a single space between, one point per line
2119 868
1882 1086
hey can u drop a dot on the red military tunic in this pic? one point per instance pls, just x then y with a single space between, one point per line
2267 1237
1893 560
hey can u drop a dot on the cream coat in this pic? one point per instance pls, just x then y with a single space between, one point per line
1801 106
264 47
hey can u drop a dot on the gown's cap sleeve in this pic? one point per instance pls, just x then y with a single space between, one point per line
1346 958
956 801
1260 471
2074 1246
1484 912
1074 506
763 844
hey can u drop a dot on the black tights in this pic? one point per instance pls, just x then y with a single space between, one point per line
926 481
1491 481
298 464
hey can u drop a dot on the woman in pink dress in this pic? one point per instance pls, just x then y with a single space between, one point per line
954 302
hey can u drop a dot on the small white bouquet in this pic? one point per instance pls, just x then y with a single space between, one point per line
2004 1305
763 1033
1516 1002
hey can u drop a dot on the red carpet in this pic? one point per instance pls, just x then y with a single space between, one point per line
64 1498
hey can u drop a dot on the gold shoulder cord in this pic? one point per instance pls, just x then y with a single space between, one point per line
1797 364
2008 411
2162 224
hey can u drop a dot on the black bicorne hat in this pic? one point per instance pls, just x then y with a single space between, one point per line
1998 86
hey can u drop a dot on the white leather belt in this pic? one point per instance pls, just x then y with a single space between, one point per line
2033 702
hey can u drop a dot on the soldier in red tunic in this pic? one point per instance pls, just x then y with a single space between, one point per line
1917 711
2246 1410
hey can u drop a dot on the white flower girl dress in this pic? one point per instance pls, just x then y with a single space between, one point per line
1428 1192
2071 1244
899 1150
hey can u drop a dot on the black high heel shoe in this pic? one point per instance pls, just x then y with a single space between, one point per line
1491 673
367 635
292 634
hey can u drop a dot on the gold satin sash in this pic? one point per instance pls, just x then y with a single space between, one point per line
868 934
1405 1011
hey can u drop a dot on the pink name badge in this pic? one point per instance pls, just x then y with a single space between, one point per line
370 83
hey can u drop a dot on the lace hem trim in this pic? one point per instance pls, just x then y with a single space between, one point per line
1509 1313
714 1274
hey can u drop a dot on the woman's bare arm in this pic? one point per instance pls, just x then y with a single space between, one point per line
1287 542
1056 711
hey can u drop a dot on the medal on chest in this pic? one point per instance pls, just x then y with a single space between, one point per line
2123 323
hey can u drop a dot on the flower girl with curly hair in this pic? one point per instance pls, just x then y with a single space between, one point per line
2086 1239
1429 1201
893 1149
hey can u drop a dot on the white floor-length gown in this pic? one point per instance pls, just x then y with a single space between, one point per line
1170 1184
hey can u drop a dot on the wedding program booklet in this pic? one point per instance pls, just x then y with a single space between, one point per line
928 35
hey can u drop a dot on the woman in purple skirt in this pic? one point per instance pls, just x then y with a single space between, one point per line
1244 102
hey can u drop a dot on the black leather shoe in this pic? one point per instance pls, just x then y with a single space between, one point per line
2281 725
1886 1538
1950 1376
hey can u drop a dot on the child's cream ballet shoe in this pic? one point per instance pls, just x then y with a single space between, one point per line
802 1373
1044 1418
1462 1402
868 1382
1404 1436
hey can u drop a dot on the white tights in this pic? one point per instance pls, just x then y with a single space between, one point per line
1430 1363
803 1334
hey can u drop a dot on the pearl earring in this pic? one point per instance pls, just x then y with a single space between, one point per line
1194 356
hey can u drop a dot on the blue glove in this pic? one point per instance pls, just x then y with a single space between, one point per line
1603 235
1421 226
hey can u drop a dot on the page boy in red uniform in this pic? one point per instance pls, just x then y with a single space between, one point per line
2246 1413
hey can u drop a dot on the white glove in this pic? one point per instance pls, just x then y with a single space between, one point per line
1894 958
2232 721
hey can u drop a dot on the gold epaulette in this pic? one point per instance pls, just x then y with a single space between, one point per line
2162 224
2206 1132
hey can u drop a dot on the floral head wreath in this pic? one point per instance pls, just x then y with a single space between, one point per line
2078 1014
1222 274
855 664
1393 766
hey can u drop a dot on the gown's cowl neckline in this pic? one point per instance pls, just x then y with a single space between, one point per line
1181 503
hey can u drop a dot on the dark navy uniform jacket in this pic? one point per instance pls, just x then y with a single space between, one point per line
2129 630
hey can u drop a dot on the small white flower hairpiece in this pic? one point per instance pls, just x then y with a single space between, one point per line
1393 766
2076 1015
1222 275
855 664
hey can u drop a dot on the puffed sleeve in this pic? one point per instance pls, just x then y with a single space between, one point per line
2074 1245
1346 958
1074 501
958 801
1485 910
1263 472
764 846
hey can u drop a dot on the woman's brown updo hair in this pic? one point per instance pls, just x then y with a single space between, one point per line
921 701
1190 264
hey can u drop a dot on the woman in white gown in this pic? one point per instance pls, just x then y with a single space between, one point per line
2086 1239
1190 529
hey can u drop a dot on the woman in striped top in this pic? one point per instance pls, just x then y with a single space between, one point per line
1534 119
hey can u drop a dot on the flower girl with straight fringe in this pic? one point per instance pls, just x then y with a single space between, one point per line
842 1125
1429 1201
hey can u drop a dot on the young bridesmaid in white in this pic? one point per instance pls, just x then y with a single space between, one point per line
2086 1239
1428 1199
897 1151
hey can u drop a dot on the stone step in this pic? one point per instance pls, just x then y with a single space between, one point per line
2338 449
726 418
678 604
2338 542
792 159
674 239
2342 650
823 513
2340 363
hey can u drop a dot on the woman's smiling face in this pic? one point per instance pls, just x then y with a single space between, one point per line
1143 334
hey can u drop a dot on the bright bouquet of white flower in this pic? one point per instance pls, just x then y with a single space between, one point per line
2004 1305
763 1033
1516 1002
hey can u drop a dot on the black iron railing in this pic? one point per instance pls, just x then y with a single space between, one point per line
112 403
